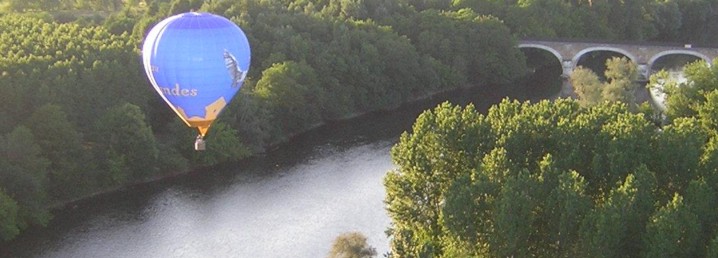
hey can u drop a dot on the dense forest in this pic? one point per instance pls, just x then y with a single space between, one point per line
78 117
564 178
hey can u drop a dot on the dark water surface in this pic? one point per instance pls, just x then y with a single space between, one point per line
293 202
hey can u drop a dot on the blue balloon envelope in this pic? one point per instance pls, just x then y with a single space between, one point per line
197 62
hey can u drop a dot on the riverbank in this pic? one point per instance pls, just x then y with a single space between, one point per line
426 101
287 204
334 148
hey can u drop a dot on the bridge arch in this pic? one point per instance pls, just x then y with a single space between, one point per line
544 47
655 57
578 55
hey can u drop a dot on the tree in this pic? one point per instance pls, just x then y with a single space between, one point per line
515 217
708 111
696 17
700 199
563 210
23 176
9 227
611 227
673 231
62 145
587 86
633 19
444 144
621 75
528 19
290 88
468 213
182 6
253 121
351 245
128 149
122 22
682 98
622 145
223 146
677 154
668 20
712 247
583 129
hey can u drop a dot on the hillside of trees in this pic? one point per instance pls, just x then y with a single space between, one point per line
78 117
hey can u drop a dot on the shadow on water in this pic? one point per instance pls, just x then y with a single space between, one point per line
131 204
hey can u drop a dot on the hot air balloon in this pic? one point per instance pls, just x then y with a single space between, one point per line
196 62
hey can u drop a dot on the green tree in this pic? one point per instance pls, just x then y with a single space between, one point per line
673 231
290 90
527 131
682 98
515 217
496 190
351 245
223 146
126 145
708 111
9 227
583 129
622 145
621 75
119 23
253 121
83 69
610 230
467 213
444 144
61 144
696 20
668 20
621 86
182 6
631 20
23 176
587 86
700 199
677 101
563 210
712 247
677 154
528 19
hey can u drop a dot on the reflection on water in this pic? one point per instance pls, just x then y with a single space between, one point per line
296 212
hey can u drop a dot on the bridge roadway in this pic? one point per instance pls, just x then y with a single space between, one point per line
644 54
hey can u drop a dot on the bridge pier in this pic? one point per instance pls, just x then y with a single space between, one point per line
566 87
567 90
567 66
643 72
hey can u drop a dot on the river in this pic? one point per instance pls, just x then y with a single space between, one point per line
292 202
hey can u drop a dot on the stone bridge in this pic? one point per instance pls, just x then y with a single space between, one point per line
644 54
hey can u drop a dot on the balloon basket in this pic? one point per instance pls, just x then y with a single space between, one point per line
199 144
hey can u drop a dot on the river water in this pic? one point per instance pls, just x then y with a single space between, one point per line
292 202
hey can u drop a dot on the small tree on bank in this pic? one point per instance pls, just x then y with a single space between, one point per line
351 245
621 74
